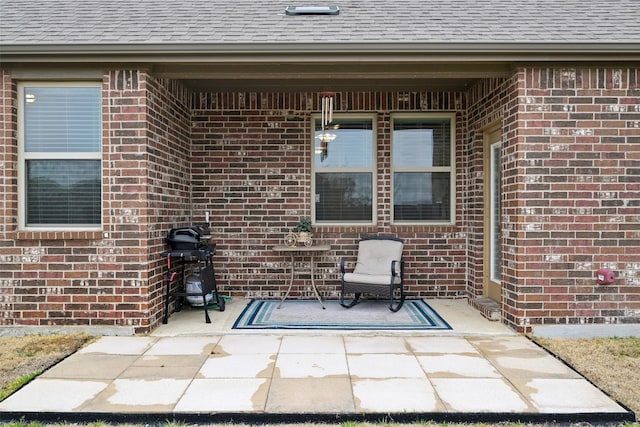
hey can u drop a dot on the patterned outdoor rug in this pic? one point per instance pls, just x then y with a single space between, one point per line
369 314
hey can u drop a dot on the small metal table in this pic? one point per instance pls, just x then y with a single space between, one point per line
302 251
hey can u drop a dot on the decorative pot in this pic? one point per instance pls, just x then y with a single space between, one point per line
304 238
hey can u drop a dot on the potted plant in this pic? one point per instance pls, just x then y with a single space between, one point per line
304 231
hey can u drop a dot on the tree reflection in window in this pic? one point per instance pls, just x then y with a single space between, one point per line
344 171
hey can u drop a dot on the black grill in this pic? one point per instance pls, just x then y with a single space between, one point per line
186 238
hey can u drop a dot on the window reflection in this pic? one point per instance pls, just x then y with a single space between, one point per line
344 171
422 172
421 196
344 197
349 145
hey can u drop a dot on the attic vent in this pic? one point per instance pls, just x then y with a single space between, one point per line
312 10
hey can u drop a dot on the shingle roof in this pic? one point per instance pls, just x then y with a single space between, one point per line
160 22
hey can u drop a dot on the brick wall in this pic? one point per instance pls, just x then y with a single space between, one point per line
169 187
580 194
491 102
571 167
101 279
8 195
571 202
251 169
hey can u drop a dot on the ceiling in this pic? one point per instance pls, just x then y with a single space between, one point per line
329 77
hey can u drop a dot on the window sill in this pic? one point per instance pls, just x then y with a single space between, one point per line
57 235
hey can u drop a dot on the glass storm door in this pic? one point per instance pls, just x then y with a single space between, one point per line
492 287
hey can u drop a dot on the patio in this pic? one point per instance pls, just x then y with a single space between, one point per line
196 372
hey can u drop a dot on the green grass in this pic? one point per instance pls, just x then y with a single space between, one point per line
16 384
631 348
621 347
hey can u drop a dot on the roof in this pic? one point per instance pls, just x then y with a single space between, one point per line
198 22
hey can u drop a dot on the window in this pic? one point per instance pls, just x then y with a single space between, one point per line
422 168
344 171
60 128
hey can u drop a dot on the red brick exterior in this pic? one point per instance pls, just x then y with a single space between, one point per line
571 191
571 202
578 195
252 172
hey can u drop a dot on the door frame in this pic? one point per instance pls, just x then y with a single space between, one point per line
492 134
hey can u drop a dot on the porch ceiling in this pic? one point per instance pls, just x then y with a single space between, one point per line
330 77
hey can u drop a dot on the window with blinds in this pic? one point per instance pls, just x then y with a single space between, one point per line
422 168
61 130
344 170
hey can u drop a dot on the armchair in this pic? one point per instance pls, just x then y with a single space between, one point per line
379 270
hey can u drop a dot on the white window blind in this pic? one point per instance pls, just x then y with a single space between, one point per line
61 152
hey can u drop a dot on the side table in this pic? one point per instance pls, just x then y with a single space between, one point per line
302 251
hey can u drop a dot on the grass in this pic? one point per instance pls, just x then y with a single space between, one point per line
23 358
613 364
17 384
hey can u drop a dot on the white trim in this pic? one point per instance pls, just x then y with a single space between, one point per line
451 169
373 169
23 157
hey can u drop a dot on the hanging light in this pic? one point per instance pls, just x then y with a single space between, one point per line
324 138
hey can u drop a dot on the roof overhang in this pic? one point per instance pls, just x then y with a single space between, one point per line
312 66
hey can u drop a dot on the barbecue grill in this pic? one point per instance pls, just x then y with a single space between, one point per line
190 245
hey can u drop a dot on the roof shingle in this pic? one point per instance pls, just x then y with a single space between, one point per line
114 22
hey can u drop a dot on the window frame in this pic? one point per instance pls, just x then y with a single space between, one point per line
373 169
24 156
451 169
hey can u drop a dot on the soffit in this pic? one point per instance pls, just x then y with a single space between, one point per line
330 76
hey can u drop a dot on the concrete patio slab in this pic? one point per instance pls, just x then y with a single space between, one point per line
138 395
457 365
120 345
479 395
554 395
310 395
183 346
312 344
311 365
259 365
91 367
384 366
53 395
396 395
225 395
478 371
440 345
375 345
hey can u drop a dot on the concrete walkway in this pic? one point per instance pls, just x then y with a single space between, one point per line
188 370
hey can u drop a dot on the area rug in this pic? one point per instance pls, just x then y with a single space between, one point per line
368 315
